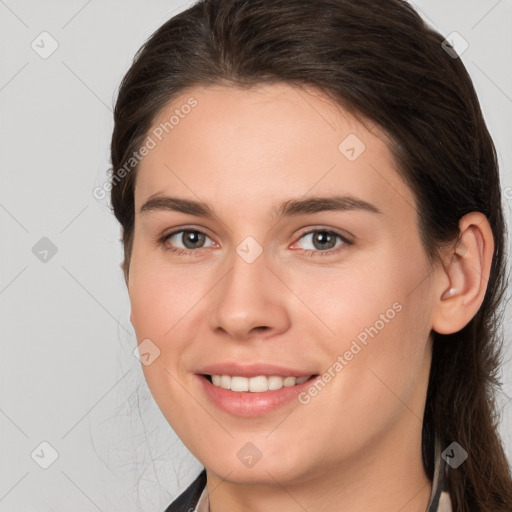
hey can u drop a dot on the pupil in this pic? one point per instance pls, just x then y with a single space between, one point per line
323 237
189 237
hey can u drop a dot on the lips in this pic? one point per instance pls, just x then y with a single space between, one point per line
253 389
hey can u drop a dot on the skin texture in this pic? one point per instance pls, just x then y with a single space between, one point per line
357 444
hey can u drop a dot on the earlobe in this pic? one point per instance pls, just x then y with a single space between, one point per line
466 269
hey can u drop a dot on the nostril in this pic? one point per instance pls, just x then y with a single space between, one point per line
261 328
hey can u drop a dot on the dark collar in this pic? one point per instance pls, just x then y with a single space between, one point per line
187 500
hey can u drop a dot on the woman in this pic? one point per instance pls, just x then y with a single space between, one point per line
314 254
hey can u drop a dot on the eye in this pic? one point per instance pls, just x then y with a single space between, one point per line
191 240
323 242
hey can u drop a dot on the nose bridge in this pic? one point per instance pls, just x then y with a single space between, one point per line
247 279
248 264
247 298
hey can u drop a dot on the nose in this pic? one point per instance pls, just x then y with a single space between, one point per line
249 302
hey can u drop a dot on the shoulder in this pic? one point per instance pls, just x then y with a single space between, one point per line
188 499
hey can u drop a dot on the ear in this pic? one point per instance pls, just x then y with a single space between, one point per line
462 280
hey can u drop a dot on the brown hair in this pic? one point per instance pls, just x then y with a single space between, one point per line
378 59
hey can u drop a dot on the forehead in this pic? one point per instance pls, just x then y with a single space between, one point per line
264 143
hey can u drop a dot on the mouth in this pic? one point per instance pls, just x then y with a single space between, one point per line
257 384
254 389
255 395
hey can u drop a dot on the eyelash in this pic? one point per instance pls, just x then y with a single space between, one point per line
309 252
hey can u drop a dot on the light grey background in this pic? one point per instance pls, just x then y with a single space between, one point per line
68 374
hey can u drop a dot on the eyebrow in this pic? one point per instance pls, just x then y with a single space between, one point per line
290 208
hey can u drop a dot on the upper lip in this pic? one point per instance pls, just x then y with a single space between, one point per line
252 370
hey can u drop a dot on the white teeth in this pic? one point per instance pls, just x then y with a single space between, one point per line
239 384
275 383
289 381
225 382
258 384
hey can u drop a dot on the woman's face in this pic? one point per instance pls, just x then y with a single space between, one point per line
275 239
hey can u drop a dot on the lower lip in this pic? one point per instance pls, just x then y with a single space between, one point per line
248 404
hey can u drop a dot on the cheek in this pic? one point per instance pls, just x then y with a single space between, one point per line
159 305
378 315
160 300
378 296
160 295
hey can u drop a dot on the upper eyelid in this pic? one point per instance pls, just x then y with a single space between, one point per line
184 229
339 232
